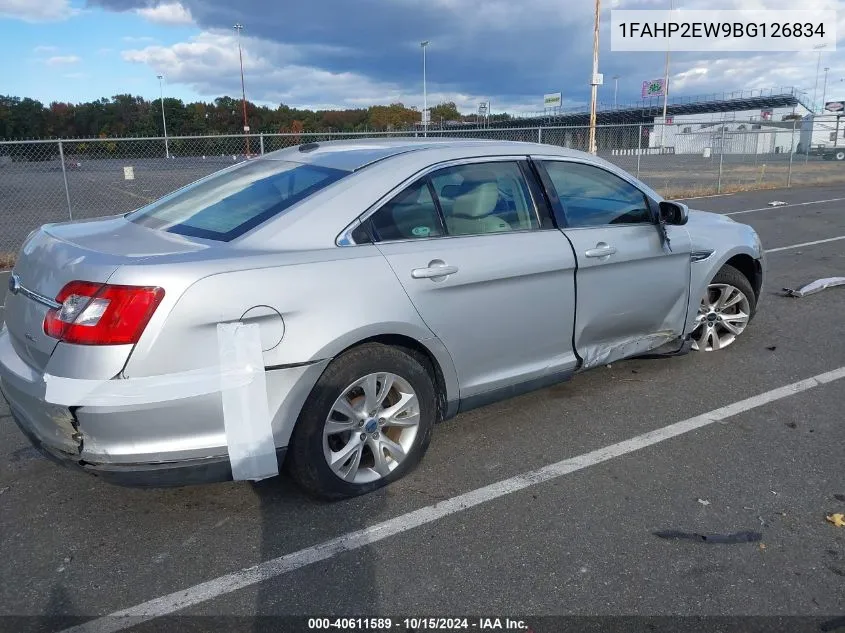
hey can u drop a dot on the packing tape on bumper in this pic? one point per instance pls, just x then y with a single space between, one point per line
246 415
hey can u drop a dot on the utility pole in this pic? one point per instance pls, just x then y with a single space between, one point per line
163 118
594 79
665 89
238 28
424 45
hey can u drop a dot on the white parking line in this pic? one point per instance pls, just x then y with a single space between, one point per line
786 248
785 206
360 538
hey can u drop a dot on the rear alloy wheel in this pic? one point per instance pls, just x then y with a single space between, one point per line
371 428
367 422
840 155
726 308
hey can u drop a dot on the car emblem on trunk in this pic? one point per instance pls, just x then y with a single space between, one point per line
14 284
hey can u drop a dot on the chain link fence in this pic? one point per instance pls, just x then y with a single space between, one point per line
57 180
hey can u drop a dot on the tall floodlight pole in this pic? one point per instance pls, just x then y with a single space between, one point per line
594 79
238 28
615 88
424 45
665 88
824 89
819 48
163 118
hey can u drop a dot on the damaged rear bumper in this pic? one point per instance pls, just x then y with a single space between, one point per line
153 475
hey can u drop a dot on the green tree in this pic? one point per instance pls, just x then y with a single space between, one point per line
447 111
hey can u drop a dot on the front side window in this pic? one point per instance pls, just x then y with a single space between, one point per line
227 204
594 197
473 199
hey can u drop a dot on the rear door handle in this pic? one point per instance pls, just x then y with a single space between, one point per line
436 268
601 250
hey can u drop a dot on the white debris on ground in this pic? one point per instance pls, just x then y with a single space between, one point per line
816 286
777 203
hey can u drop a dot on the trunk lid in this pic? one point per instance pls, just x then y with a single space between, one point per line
56 254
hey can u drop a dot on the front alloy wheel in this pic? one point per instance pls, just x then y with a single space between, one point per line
723 315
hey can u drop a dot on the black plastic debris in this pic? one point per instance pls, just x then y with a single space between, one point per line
716 539
832 625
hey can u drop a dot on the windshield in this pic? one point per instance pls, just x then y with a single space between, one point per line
227 204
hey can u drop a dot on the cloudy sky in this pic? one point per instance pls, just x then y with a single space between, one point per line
354 53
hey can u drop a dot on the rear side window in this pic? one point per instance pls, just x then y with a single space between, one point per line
411 214
592 196
230 203
473 199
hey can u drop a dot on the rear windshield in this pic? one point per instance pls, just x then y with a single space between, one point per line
230 203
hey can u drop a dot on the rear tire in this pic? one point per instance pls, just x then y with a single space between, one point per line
839 155
316 440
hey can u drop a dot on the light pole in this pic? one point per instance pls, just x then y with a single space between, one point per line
819 48
238 28
594 79
615 88
824 89
163 118
424 45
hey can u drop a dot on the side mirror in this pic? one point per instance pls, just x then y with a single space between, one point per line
675 213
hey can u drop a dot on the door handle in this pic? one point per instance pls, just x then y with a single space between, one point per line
435 268
601 250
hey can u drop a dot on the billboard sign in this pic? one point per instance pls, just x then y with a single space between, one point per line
653 88
553 100
834 106
483 108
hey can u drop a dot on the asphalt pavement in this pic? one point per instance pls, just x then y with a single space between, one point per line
613 535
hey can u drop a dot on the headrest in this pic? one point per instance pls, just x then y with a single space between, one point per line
479 201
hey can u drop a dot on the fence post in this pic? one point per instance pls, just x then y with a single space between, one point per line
261 139
539 134
64 177
639 148
721 156
791 154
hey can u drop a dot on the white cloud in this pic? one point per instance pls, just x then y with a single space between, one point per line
277 73
38 50
36 10
172 13
62 60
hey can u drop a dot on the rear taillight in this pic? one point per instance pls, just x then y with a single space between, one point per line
101 314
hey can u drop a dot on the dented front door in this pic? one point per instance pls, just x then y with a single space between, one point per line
632 290
632 294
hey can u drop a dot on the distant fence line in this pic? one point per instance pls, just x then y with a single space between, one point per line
53 180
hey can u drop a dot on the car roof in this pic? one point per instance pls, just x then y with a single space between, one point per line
354 154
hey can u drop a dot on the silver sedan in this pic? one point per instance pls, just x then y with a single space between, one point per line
389 284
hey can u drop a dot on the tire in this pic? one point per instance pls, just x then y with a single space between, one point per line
839 155
727 277
307 460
